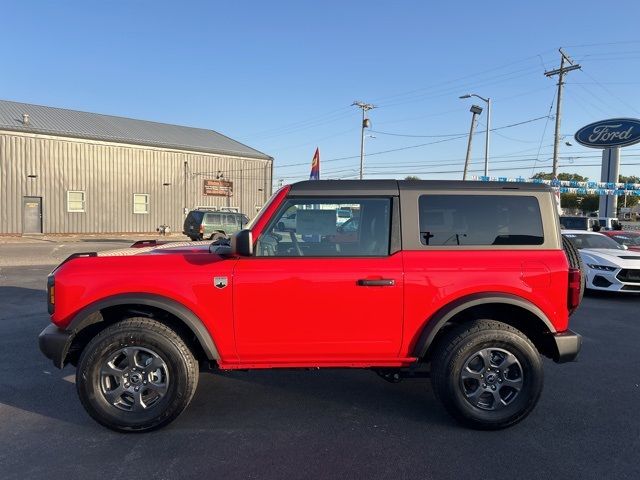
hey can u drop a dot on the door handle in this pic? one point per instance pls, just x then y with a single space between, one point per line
378 282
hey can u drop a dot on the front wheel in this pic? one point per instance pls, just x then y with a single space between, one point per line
136 375
487 374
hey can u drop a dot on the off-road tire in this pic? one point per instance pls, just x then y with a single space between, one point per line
138 333
575 261
455 349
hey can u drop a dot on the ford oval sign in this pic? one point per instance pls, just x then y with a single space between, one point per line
616 132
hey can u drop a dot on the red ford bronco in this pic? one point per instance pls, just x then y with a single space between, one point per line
467 282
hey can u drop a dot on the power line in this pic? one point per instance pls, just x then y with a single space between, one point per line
457 134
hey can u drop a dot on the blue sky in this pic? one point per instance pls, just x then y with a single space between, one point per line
281 76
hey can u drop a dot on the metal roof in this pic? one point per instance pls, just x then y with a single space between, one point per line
95 126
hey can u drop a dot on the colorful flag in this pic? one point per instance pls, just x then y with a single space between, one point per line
315 166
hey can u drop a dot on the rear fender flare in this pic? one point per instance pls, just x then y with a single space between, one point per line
446 313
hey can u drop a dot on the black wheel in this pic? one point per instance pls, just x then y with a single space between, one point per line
136 375
215 236
487 374
575 261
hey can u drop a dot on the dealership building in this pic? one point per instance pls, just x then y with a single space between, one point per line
65 171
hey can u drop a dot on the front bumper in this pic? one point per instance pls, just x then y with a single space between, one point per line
568 345
54 343
613 281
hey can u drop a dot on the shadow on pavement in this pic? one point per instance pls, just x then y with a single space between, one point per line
28 381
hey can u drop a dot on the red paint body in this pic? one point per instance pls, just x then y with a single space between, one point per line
616 234
309 312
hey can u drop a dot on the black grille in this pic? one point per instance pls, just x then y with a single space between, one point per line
600 281
628 275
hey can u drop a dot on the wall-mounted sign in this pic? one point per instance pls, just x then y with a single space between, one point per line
217 188
615 132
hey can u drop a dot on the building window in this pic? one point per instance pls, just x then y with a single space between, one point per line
75 201
140 203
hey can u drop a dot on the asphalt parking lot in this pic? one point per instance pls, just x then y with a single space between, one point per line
314 424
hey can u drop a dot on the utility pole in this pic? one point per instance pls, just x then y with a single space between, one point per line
366 123
475 110
560 72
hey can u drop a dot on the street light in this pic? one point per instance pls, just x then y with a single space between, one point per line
486 138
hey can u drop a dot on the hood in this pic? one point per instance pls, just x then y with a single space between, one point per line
611 257
154 248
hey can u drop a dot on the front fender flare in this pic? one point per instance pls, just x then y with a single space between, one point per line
86 317
446 313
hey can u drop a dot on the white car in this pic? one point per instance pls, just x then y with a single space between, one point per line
609 265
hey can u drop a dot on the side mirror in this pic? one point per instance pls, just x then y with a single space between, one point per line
242 243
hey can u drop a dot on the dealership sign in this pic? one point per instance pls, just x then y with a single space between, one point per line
217 188
612 133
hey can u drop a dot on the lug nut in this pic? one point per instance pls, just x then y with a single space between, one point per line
126 374
493 387
145 382
500 380
137 388
484 385
126 385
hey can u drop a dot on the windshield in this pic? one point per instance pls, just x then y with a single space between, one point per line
253 221
581 241
628 239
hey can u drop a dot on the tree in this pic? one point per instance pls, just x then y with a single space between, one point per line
570 200
629 179
411 177
561 176
590 203
629 200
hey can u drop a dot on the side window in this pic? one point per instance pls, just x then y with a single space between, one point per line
480 220
212 219
318 228
230 220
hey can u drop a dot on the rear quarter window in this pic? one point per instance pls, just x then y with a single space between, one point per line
479 220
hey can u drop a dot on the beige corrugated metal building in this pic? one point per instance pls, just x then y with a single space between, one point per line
64 171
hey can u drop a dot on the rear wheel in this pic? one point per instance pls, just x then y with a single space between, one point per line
136 375
487 374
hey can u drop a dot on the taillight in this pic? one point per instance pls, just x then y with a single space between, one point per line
201 228
51 294
575 282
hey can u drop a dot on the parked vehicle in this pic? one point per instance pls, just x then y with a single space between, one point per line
470 280
608 223
203 224
608 265
578 223
629 238
288 221
342 215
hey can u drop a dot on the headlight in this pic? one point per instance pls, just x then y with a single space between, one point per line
604 268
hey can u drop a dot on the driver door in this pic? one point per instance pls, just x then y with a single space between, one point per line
312 293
